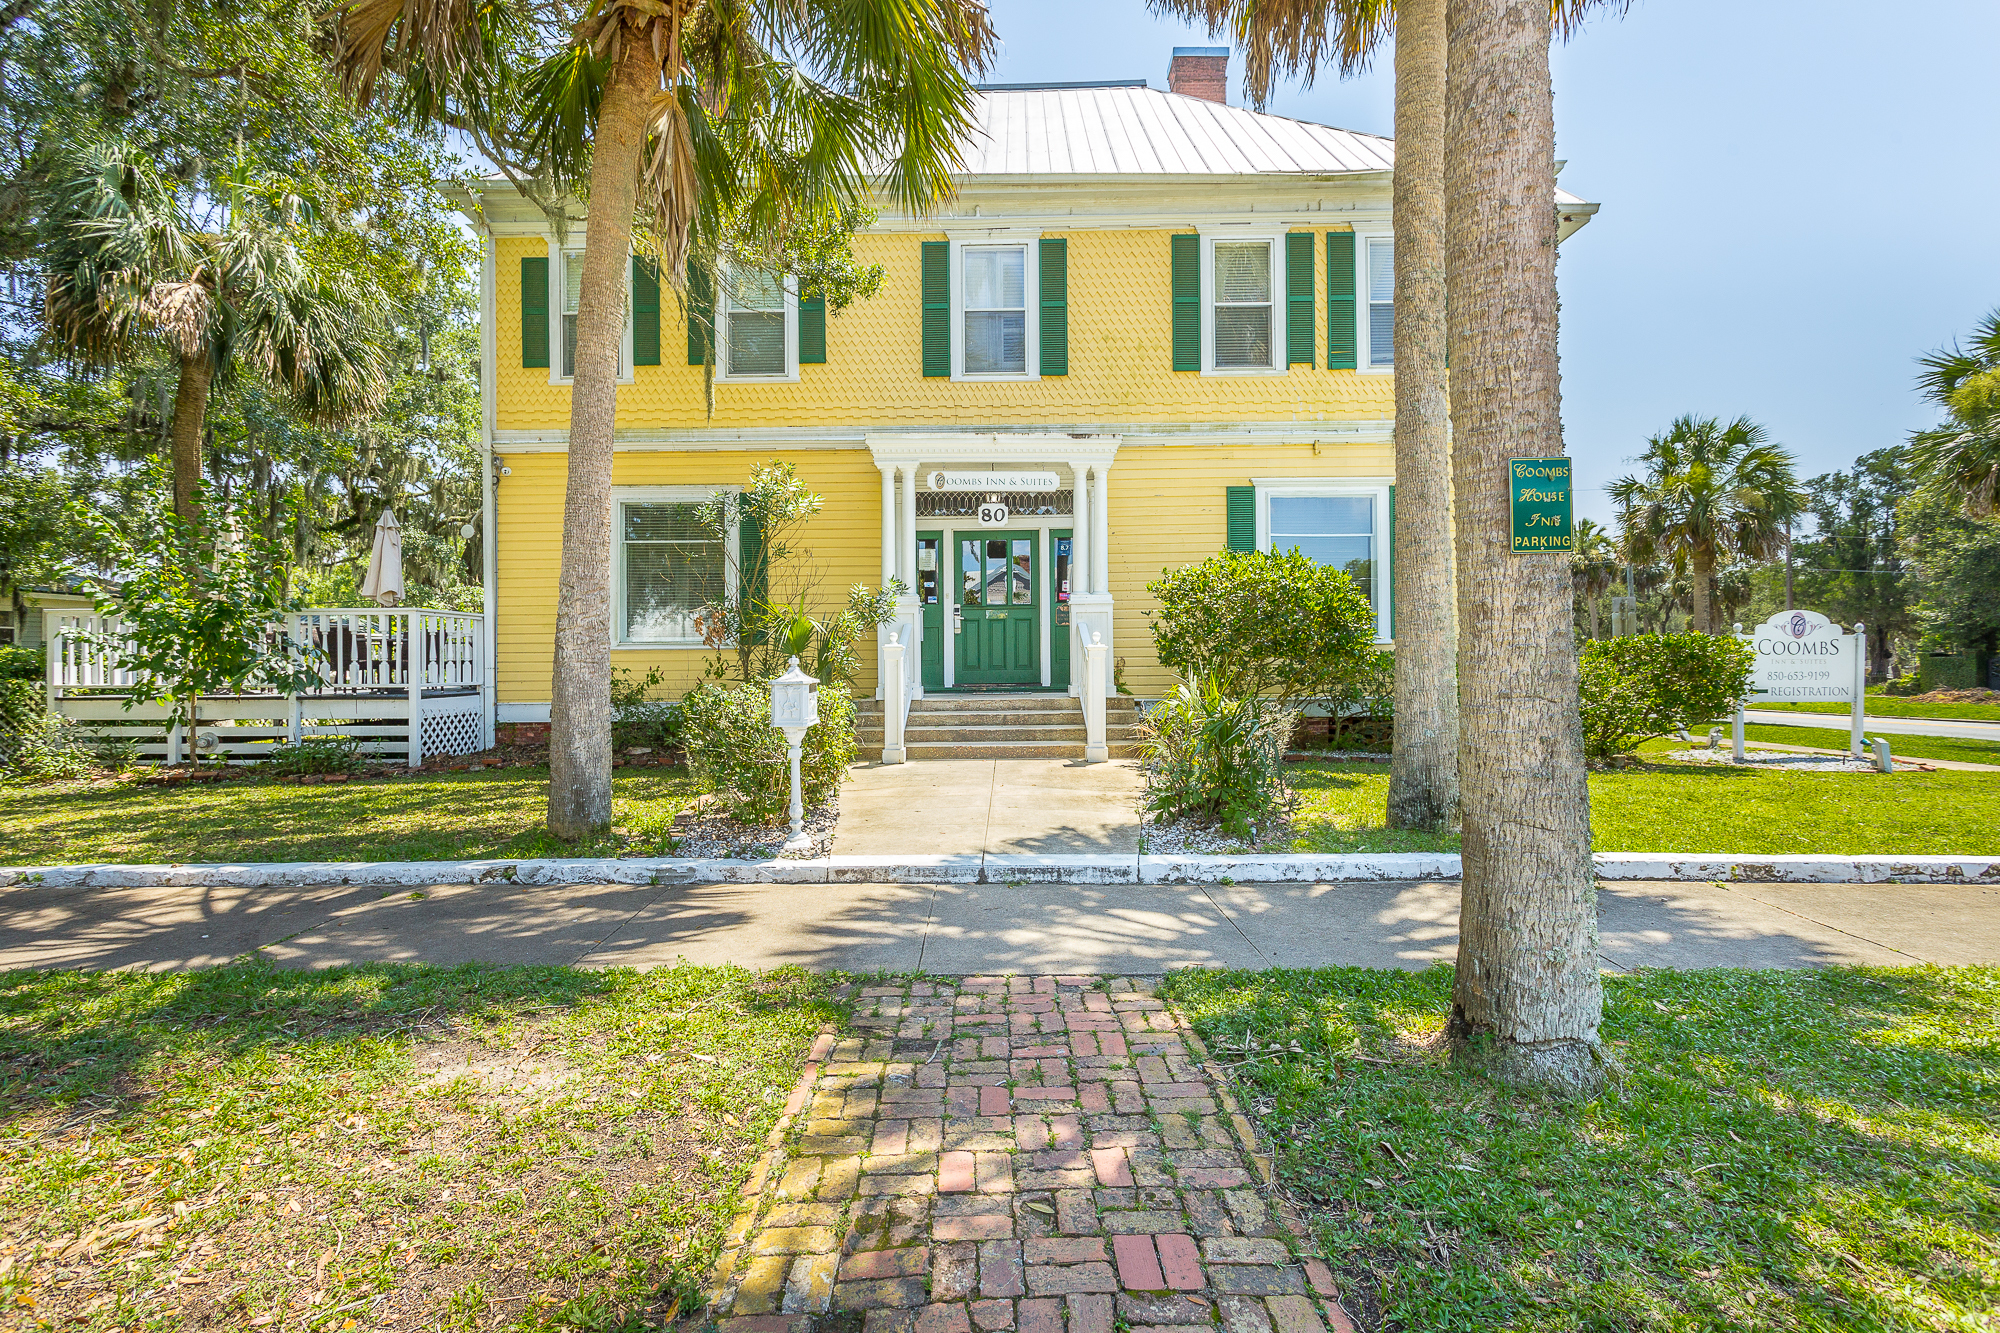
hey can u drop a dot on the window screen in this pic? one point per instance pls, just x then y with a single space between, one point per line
673 567
1381 303
756 325
996 310
1337 530
1242 303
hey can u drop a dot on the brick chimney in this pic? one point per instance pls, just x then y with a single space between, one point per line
1200 71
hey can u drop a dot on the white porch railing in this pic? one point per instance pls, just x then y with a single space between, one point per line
407 678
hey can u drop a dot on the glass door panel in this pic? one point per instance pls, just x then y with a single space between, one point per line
999 612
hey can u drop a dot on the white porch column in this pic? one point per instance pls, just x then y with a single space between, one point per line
1100 532
907 547
888 522
1079 529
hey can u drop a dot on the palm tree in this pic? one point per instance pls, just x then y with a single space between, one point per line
1712 494
1293 38
1593 566
706 117
126 259
1963 455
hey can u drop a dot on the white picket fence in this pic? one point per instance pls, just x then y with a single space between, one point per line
407 683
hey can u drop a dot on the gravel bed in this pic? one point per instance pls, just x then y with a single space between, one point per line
1185 837
704 831
1790 763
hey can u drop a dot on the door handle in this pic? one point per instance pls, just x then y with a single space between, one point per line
957 621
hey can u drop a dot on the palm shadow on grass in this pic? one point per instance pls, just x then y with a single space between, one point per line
1775 1150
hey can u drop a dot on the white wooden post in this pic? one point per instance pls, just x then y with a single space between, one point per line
895 694
1736 722
1096 674
1855 718
413 676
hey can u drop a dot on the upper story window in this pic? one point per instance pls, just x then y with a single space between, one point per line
1243 313
996 309
754 325
1342 524
572 293
1381 302
669 567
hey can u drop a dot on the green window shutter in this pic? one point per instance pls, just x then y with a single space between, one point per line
645 312
1242 512
535 312
753 573
1300 335
1340 300
1390 547
812 330
1187 301
701 314
1054 267
937 309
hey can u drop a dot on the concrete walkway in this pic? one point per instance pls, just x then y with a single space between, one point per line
1037 807
965 929
1044 1154
1887 726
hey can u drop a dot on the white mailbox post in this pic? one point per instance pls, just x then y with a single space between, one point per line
795 711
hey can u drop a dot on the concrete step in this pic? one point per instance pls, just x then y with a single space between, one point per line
995 750
994 703
1026 735
953 718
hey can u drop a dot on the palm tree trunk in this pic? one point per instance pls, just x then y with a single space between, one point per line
580 708
184 435
1701 592
1423 776
1526 999
1593 616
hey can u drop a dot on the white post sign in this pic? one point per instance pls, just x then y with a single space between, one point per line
1802 657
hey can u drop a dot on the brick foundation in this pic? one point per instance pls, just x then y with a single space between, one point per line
522 733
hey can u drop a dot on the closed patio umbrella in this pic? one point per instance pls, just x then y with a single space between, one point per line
384 584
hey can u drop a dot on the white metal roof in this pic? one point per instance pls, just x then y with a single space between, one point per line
1145 132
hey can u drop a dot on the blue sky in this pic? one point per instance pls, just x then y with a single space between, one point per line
1799 200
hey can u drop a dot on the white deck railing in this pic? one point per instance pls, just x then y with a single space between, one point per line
352 649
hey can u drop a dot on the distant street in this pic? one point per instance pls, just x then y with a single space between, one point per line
1888 726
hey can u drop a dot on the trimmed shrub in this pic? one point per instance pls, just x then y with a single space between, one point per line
735 752
1216 760
315 754
1271 625
1645 685
19 663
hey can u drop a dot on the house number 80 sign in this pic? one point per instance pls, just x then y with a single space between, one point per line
993 515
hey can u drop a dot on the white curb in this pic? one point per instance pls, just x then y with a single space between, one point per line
974 868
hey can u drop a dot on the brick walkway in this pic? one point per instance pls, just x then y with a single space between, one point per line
1040 1154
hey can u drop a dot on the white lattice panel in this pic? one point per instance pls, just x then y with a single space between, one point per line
453 733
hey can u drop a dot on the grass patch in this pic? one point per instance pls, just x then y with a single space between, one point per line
1882 705
1696 808
1959 750
459 1148
446 817
1777 1151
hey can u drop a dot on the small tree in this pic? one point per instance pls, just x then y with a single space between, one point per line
1269 625
198 615
1647 685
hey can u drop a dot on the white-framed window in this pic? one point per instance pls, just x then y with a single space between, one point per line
759 337
1340 523
669 566
566 275
1243 312
995 316
7 629
1380 277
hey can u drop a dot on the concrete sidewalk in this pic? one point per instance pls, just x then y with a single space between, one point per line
1031 807
965 929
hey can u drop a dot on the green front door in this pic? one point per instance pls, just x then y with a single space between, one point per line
933 595
999 605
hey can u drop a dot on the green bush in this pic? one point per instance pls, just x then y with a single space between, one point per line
1363 715
1265 625
735 752
315 754
36 744
1647 685
1216 760
19 663
1957 671
639 720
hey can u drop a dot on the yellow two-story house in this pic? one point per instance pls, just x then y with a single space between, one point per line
1147 326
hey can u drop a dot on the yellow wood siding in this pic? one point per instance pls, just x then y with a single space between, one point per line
1121 359
841 546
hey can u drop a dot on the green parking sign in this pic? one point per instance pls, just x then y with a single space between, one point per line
1542 520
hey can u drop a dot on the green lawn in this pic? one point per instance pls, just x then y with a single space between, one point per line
465 1148
1696 808
1964 751
430 818
1776 1151
1881 705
